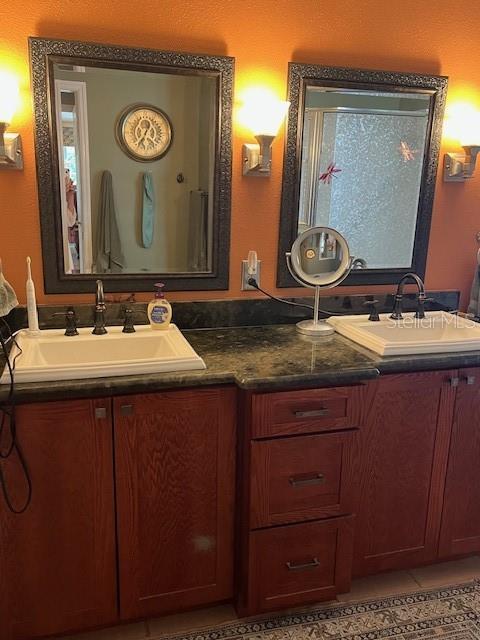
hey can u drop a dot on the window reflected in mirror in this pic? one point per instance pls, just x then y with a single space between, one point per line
361 169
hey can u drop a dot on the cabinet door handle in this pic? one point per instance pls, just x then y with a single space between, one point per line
311 414
469 379
313 564
454 382
100 412
126 409
305 480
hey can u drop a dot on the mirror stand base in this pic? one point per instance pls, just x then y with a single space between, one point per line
312 328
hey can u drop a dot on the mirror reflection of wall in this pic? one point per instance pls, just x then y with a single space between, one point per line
361 169
161 217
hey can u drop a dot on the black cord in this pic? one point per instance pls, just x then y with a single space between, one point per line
253 283
8 415
8 410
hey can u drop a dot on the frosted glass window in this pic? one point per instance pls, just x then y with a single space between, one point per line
361 174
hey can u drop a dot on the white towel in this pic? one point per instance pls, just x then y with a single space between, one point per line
8 298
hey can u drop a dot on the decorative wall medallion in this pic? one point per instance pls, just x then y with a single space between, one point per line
144 132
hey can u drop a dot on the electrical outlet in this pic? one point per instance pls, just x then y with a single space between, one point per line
246 275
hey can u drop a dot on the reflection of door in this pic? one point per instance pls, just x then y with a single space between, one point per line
74 168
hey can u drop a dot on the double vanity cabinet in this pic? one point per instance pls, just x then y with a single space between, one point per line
155 503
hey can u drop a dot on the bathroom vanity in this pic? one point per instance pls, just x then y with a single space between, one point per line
288 465
346 464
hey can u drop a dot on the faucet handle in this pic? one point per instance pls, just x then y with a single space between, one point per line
373 317
128 318
70 321
128 326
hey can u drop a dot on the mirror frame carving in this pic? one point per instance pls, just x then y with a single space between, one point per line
302 75
44 53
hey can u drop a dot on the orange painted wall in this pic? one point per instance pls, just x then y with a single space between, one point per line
404 35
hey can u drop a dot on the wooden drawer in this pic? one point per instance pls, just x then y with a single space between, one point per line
299 563
309 411
302 478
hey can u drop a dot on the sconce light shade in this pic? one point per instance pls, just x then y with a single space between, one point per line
9 96
462 123
263 115
10 143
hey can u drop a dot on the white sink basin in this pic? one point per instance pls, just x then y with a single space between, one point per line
54 356
438 332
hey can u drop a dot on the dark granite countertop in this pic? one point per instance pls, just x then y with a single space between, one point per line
270 357
256 358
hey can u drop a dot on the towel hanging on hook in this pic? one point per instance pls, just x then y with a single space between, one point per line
478 252
474 303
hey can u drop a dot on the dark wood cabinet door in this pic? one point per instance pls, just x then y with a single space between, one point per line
460 533
404 456
57 560
175 467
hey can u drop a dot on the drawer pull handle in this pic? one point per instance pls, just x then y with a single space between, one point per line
303 481
311 414
313 564
470 380
100 412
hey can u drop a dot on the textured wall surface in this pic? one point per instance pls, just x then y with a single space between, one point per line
401 35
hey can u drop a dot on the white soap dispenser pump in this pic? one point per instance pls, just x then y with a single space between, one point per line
32 312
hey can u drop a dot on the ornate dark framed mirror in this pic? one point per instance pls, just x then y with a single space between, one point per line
133 150
361 156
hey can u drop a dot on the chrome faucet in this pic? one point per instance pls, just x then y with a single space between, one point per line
397 308
100 308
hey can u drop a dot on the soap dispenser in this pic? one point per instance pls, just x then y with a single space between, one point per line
159 309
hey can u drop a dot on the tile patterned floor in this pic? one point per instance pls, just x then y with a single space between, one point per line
446 573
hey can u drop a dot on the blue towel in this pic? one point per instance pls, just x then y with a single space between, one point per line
148 210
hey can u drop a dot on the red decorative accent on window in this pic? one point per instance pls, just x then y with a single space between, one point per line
330 172
407 152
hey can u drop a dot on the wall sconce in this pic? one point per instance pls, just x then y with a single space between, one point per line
10 143
457 167
462 124
263 114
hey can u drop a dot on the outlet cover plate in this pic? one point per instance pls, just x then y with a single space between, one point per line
245 276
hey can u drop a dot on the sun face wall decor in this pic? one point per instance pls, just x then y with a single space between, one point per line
144 132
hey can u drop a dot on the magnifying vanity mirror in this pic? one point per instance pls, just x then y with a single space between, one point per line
361 156
134 166
320 259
